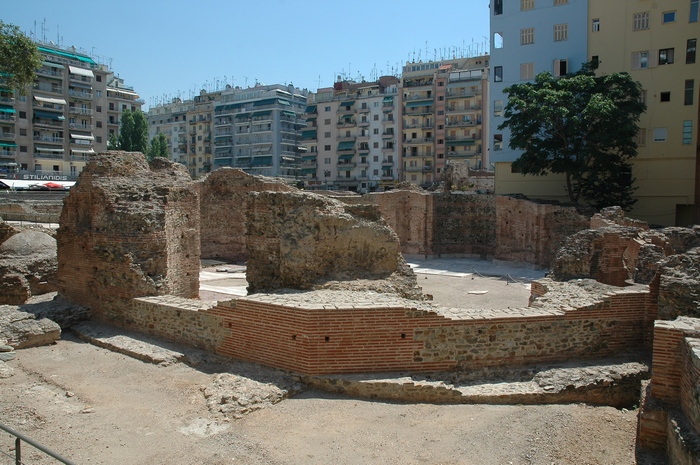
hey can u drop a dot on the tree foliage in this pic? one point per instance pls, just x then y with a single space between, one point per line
19 58
159 147
133 132
581 125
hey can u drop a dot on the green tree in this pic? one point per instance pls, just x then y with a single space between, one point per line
19 58
113 142
133 132
581 125
159 147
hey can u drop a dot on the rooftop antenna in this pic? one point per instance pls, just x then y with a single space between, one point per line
43 31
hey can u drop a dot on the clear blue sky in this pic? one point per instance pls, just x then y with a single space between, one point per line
173 48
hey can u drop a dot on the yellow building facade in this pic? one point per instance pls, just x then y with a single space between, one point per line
654 41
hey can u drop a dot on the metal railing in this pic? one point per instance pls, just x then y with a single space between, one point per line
19 437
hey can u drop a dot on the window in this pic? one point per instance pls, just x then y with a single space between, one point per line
659 134
527 36
22 115
689 87
498 7
23 149
596 25
665 96
641 21
498 142
22 132
376 117
327 148
561 67
665 56
527 5
690 51
641 138
497 107
98 124
98 109
327 121
527 71
640 60
98 93
98 78
376 130
441 98
98 139
693 11
643 96
560 2
497 40
327 109
375 145
561 32
441 83
497 74
669 17
327 134
687 132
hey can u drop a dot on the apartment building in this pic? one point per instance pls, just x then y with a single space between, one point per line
656 43
50 132
350 136
529 37
258 130
442 105
188 129
653 41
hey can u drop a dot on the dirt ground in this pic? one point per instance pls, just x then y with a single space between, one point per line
94 406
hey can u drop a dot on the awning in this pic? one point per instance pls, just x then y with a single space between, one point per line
288 158
82 150
57 101
121 91
310 109
46 114
347 145
49 149
8 144
262 113
308 170
308 157
54 65
242 115
81 71
7 110
347 116
72 56
311 117
419 104
259 161
308 134
388 99
346 157
450 143
291 114
347 103
80 136
284 102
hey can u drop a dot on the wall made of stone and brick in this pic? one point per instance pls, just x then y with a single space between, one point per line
352 339
530 232
222 215
410 214
465 224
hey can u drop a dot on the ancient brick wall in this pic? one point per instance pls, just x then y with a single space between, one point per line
223 196
347 339
465 224
128 230
410 214
690 382
531 232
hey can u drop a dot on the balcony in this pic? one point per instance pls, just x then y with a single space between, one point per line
49 156
346 122
81 111
7 136
7 117
364 136
418 141
7 100
47 122
81 127
80 94
387 162
461 123
81 79
50 72
345 165
388 149
364 109
387 178
52 140
388 135
363 124
7 153
388 120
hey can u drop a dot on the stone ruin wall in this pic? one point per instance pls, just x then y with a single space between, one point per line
128 230
302 241
223 196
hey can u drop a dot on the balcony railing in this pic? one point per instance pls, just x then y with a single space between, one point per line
7 100
7 153
50 72
81 111
10 117
49 156
82 127
55 140
83 79
48 106
80 95
48 122
7 135
46 87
